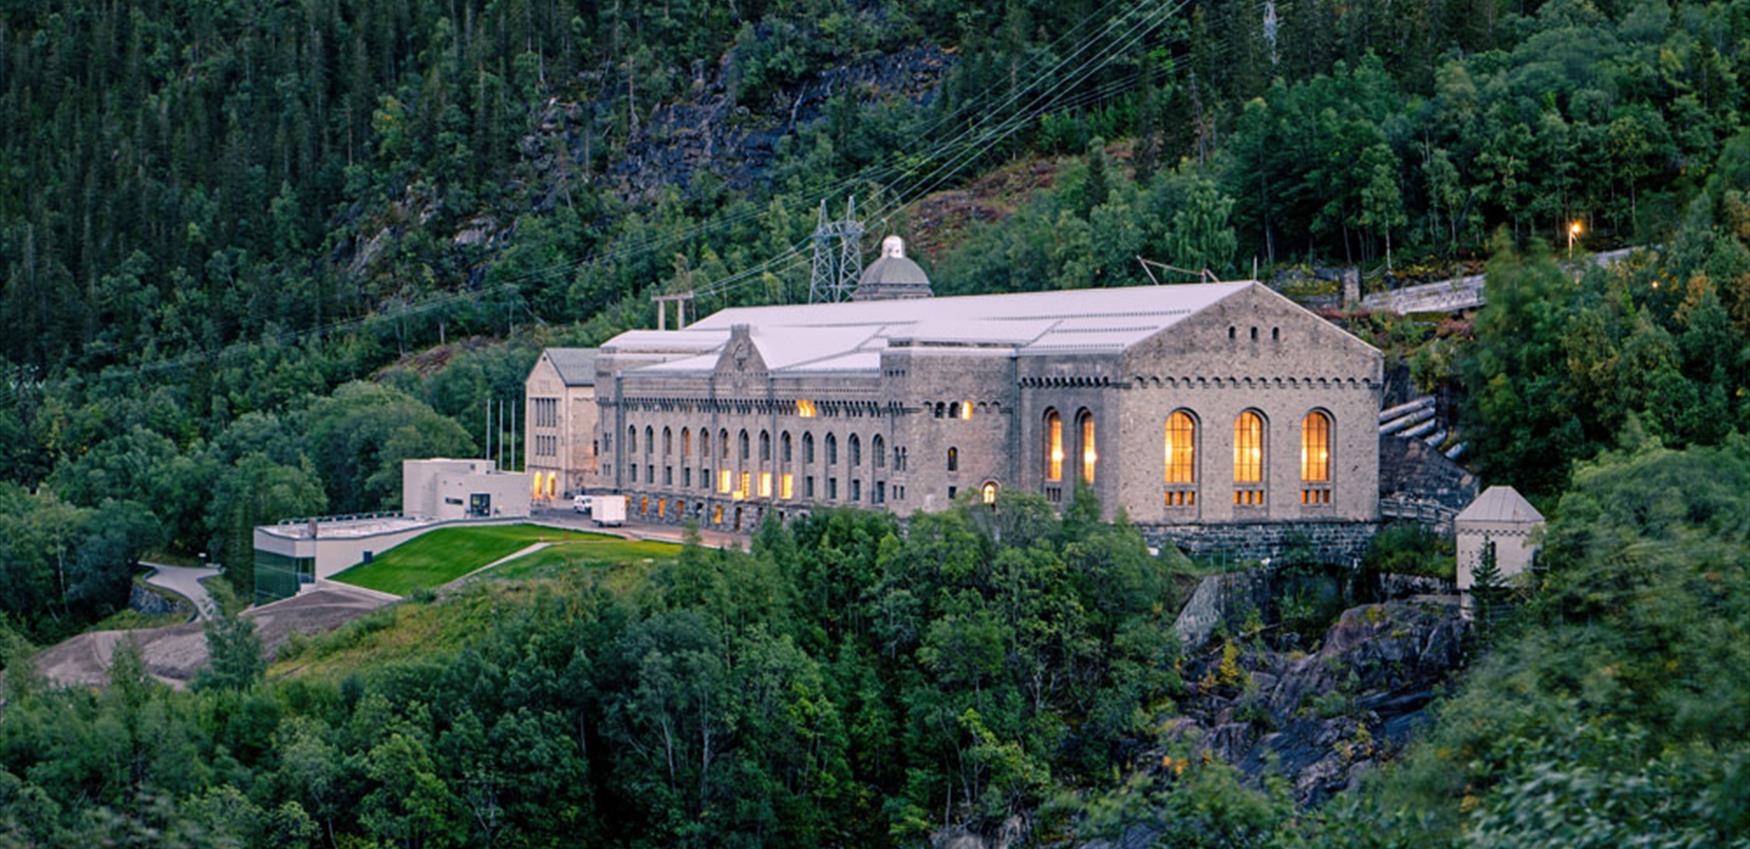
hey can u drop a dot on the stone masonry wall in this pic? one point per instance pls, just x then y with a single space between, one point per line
1332 542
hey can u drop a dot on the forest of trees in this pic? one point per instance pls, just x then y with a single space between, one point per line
227 234
843 685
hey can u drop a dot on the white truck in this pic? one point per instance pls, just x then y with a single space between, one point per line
608 510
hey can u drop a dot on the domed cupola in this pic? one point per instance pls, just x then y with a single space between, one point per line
892 276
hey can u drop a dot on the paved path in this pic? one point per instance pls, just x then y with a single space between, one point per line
1458 293
185 581
521 552
174 654
638 530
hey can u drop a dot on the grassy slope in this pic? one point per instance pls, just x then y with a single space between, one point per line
558 560
449 553
415 629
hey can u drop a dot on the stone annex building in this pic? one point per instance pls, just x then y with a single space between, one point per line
1220 416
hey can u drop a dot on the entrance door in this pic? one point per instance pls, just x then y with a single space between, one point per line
738 518
480 504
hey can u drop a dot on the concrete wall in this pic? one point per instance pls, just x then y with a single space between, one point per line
443 488
334 554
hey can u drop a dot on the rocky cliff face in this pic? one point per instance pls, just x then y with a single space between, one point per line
1320 719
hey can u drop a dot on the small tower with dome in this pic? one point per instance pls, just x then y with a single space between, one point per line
892 276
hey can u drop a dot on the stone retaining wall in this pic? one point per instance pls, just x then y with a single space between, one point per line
1341 543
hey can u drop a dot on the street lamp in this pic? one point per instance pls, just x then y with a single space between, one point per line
1573 232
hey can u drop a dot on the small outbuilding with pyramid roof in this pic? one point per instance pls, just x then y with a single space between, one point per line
1501 521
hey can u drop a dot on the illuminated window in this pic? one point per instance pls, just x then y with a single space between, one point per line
723 481
744 489
1181 448
1180 454
553 485
1090 454
786 486
806 409
1053 446
1249 459
537 478
1315 458
966 409
765 484
717 515
953 459
989 492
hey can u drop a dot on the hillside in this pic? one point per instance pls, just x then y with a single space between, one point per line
255 254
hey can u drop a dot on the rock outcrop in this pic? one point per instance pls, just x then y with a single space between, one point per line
1320 719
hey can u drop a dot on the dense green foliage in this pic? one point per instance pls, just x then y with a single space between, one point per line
1612 708
216 215
838 685
1566 364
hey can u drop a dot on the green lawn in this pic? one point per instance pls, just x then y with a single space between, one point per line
449 553
558 560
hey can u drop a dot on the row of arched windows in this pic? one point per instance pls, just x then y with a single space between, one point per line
1179 455
854 445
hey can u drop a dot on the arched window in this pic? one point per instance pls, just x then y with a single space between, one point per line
1315 458
988 492
784 446
832 449
704 444
649 439
1053 451
742 444
808 448
631 439
765 447
1249 459
1180 455
1089 453
953 459
856 446
878 451
723 443
667 441
686 443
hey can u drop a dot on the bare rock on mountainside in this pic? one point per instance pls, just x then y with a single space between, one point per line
1321 719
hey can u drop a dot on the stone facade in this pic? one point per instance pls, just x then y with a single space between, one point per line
559 432
907 405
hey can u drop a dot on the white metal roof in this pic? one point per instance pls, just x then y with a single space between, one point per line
849 336
1500 504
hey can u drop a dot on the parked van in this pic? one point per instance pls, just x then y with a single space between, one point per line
581 503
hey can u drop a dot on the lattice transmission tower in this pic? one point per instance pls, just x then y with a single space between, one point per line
838 256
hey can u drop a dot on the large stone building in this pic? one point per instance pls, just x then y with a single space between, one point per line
559 432
1221 416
